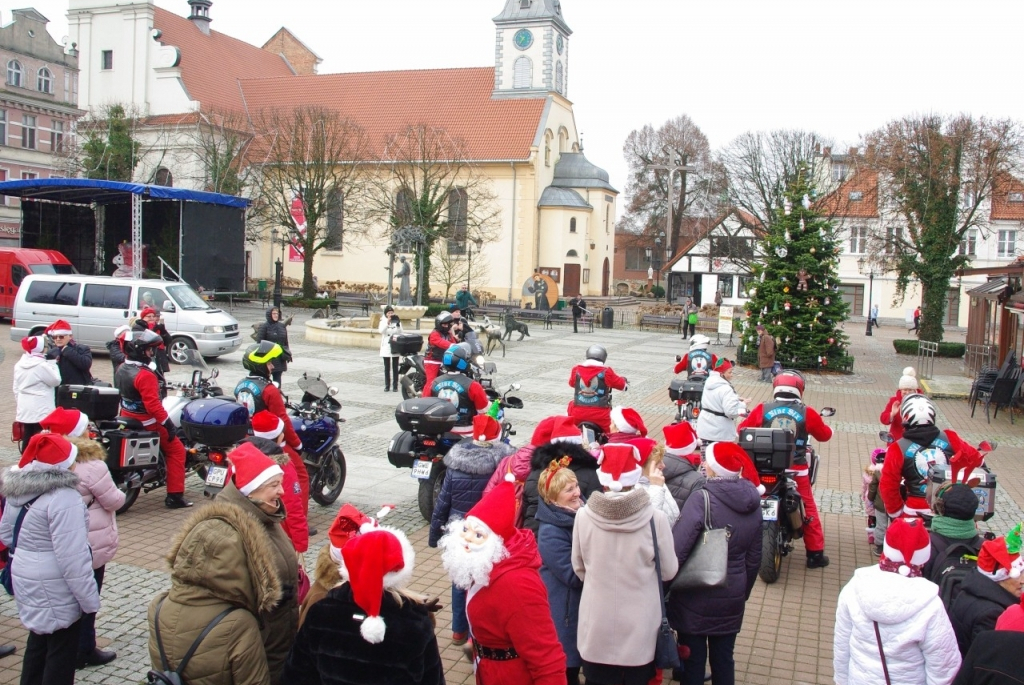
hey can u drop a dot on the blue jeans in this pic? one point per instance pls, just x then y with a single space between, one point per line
718 650
460 624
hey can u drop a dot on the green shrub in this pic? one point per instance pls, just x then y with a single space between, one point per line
300 303
658 291
952 350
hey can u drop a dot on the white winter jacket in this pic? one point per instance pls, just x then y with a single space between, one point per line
719 397
35 377
387 330
917 639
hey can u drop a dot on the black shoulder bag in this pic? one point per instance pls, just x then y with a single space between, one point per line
6 579
666 650
167 676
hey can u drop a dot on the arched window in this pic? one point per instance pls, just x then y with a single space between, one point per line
14 73
335 220
572 253
458 220
548 136
572 225
163 178
563 140
403 208
44 81
559 78
522 73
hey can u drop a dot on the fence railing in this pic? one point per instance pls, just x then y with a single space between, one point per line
926 358
978 356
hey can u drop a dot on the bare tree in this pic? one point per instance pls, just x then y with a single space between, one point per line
425 180
452 267
936 177
309 167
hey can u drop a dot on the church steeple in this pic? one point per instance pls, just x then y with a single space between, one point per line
532 52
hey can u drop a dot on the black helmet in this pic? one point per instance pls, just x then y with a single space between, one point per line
137 347
255 358
597 352
456 357
443 319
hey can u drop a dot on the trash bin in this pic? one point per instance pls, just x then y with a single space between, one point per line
607 317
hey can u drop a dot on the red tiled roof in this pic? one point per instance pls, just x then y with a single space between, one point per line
211 65
386 102
839 203
1002 207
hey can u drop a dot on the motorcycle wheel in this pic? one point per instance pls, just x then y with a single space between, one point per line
771 552
430 488
130 495
326 484
412 385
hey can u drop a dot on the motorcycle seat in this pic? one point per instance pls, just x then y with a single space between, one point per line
127 422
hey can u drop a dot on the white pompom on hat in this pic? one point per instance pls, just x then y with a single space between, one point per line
619 466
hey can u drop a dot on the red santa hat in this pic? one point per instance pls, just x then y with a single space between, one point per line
252 468
907 543
1000 559
564 429
627 420
680 439
644 446
267 425
723 365
542 433
346 525
497 510
485 428
729 460
59 327
33 344
1012 618
379 560
147 311
70 422
48 451
619 466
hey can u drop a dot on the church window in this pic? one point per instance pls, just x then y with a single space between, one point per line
164 177
522 73
547 148
14 73
572 253
559 78
458 219
335 220
403 215
572 225
563 139
44 81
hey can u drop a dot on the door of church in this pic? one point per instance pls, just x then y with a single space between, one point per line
571 280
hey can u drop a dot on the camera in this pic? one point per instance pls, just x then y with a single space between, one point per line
395 319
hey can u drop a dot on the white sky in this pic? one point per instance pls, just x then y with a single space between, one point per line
839 67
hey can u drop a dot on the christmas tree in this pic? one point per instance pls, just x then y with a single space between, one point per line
796 294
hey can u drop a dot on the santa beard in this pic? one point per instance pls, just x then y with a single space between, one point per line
470 564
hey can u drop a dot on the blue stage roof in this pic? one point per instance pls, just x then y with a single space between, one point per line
85 191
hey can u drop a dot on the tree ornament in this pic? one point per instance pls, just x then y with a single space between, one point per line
786 306
787 206
782 252
787 339
803 226
819 359
799 325
831 341
752 291
802 277
824 361
786 290
788 238
806 202
827 301
812 250
818 315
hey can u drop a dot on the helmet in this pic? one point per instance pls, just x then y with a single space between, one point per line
256 357
456 357
699 342
443 319
597 352
137 347
917 410
788 385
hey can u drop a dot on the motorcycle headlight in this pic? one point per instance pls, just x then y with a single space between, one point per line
213 329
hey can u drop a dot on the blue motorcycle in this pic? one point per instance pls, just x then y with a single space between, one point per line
316 421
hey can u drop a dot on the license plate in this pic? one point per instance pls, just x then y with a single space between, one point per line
770 510
216 476
421 469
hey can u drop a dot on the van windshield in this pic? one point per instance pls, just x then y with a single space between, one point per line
186 297
52 269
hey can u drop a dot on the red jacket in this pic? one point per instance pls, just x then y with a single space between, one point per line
895 426
149 388
438 342
892 475
295 525
274 402
587 370
682 364
816 428
524 624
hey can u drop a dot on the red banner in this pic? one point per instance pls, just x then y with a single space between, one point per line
295 247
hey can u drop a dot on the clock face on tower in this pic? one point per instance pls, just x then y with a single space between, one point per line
523 39
559 44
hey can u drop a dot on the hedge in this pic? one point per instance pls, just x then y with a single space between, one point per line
314 303
946 349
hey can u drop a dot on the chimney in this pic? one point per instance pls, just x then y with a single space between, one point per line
201 14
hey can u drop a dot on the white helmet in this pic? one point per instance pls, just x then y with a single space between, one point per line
699 342
917 410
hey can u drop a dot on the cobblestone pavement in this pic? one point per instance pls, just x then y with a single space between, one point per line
797 610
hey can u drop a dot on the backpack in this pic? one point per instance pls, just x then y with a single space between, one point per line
949 572
166 676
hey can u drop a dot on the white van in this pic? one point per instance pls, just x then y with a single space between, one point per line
96 305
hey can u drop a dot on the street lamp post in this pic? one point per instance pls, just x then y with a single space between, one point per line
863 264
278 268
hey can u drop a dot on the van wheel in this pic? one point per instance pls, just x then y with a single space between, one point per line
179 349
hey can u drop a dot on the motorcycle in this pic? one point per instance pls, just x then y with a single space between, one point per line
316 420
414 376
686 395
782 508
199 387
426 437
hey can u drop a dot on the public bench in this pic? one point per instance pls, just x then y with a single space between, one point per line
353 301
652 321
552 317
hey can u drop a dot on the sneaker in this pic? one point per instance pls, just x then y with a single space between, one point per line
176 501
878 550
459 639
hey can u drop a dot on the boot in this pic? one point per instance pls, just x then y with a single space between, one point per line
7 650
816 560
96 657
176 501
394 388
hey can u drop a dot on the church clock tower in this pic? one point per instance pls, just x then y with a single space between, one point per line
532 52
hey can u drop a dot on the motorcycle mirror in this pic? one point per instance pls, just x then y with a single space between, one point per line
332 391
827 411
885 437
515 386
214 373
988 445
679 358
513 403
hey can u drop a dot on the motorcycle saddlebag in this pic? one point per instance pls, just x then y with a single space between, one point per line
97 403
985 489
771 449
401 450
686 391
215 422
127 449
409 343
428 415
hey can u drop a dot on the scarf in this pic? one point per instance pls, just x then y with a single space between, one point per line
954 529
891 566
922 435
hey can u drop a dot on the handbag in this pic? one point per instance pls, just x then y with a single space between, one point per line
6 580
666 649
708 563
17 431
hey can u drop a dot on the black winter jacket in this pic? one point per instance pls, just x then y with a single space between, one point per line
940 543
583 464
682 478
75 363
329 649
275 331
978 606
116 354
995 658
470 466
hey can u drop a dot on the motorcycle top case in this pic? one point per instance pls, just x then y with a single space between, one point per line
97 403
401 450
771 449
216 422
686 391
985 489
408 343
430 415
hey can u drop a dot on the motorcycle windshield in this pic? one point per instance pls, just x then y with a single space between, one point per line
194 359
313 386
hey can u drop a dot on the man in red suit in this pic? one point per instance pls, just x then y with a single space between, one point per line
592 383
440 339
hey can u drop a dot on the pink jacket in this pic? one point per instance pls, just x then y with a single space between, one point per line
101 497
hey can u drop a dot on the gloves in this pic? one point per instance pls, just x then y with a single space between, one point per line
172 432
